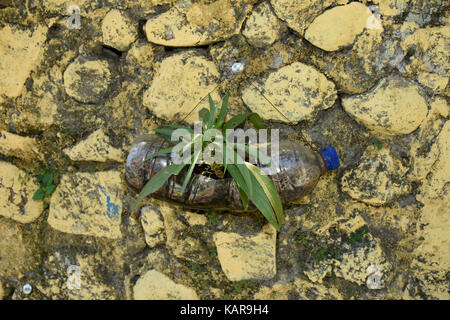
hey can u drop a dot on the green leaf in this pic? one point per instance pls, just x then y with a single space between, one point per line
377 143
160 152
212 113
179 127
240 118
38 195
258 197
269 189
47 179
204 115
191 169
158 180
244 198
165 132
235 121
238 163
257 121
49 190
223 111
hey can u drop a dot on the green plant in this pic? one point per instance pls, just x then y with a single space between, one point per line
377 143
195 267
212 251
252 184
212 218
357 236
45 179
241 285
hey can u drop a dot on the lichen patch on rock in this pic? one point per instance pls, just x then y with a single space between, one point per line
395 106
298 91
88 204
182 80
16 194
87 80
377 180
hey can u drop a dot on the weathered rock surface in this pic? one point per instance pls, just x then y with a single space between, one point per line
181 81
16 254
14 145
262 27
298 288
119 30
427 49
298 91
357 69
395 106
16 194
182 241
339 26
96 147
20 52
440 169
78 277
153 225
378 179
88 204
392 8
5 290
432 257
195 24
87 79
247 257
154 285
365 262
299 13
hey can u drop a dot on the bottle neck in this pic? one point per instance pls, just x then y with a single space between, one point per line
324 165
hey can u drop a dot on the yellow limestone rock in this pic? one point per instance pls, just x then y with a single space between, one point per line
153 226
181 81
88 204
299 14
297 90
87 79
339 26
263 27
432 257
13 145
394 107
196 24
20 52
154 285
392 7
16 254
119 31
244 257
430 61
16 194
378 179
95 148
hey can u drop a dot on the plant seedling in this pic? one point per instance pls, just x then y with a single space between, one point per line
45 179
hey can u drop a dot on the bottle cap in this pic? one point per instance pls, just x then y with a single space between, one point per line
330 157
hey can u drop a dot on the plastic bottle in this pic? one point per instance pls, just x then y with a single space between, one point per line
298 172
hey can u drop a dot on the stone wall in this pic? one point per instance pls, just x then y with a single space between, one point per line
371 80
